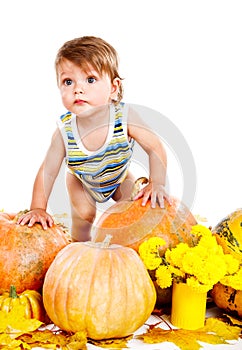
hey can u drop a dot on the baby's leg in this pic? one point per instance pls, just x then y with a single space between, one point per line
125 189
83 209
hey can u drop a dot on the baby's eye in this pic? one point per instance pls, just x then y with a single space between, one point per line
67 82
91 80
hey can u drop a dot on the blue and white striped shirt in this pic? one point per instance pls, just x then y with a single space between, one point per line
100 172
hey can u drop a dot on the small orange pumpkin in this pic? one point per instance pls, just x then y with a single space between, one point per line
104 290
26 253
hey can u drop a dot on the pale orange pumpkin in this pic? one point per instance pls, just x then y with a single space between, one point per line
104 290
26 253
130 224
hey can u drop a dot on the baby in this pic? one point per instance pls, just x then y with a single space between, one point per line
96 138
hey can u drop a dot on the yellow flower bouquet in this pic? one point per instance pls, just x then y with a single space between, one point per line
200 266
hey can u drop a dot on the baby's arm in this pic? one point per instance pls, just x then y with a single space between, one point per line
43 184
152 145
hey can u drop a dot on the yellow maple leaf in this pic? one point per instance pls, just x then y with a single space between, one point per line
50 340
6 342
19 333
43 339
214 332
115 343
14 322
77 341
222 329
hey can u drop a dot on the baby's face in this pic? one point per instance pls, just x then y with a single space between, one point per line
83 89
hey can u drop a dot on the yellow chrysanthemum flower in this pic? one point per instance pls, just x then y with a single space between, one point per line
163 277
231 263
195 284
200 230
175 255
149 252
175 271
234 281
152 262
200 266
152 244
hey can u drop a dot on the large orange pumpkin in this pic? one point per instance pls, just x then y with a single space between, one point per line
26 253
103 290
130 223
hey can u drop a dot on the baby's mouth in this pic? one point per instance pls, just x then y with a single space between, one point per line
79 102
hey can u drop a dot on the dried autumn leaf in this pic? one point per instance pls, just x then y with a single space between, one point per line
7 342
214 332
19 333
43 338
184 339
49 340
77 341
222 329
233 321
15 322
118 343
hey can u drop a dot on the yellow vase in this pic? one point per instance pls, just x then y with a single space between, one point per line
188 307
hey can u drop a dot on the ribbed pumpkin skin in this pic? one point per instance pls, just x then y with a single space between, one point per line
228 299
229 234
105 291
130 223
26 253
31 299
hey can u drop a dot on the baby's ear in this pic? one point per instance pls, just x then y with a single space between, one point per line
115 88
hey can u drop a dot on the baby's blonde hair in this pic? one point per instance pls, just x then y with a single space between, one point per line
94 51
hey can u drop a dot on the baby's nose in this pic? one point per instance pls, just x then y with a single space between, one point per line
79 88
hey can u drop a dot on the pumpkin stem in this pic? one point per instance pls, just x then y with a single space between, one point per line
106 242
13 293
137 186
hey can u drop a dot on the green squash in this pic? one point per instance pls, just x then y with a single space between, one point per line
228 299
228 233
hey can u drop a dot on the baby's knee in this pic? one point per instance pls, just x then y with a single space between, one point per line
83 214
81 228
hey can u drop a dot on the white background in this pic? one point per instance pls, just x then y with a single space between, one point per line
181 58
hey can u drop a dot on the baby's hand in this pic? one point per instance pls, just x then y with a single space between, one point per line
36 215
155 192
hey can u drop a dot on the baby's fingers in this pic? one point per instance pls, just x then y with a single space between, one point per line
23 220
45 221
31 219
160 200
146 196
40 220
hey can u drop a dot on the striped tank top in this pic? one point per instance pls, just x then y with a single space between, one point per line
101 171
